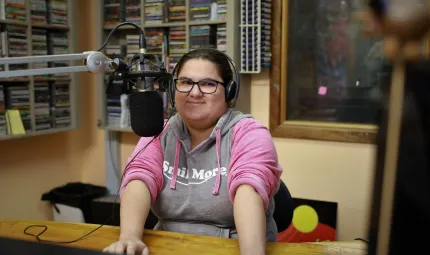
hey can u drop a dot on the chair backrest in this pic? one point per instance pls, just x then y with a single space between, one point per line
283 214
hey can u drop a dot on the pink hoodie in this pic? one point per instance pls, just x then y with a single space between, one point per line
239 139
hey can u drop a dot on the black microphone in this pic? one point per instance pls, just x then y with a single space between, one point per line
146 113
146 105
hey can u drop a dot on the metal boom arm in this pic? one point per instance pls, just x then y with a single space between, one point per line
94 62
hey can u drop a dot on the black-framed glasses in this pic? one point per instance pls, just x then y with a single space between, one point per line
206 86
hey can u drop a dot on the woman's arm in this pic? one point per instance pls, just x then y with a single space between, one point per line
142 182
253 180
250 220
135 205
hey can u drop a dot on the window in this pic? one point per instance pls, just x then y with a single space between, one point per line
325 73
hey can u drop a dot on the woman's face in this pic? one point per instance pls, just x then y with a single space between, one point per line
202 110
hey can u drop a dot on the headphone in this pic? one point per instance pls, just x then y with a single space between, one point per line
231 88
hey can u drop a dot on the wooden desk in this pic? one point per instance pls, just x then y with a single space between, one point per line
160 242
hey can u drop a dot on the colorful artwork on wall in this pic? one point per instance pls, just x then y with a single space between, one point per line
313 221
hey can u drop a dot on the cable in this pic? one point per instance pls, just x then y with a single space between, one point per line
142 34
361 239
60 242
45 228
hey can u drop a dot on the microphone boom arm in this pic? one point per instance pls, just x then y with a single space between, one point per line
93 61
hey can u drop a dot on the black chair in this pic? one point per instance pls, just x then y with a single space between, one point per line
283 214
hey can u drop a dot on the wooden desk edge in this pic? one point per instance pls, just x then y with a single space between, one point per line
15 229
355 244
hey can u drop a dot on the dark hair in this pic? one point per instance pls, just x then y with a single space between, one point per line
212 55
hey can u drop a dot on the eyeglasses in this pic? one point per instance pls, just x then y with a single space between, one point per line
206 86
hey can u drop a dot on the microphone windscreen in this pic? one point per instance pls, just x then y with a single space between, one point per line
146 113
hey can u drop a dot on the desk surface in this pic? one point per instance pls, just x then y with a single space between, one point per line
161 242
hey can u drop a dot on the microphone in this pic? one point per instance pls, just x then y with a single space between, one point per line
146 113
146 105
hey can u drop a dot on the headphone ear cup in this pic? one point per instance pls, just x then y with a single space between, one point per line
230 91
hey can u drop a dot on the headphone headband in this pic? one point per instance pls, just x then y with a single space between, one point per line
235 85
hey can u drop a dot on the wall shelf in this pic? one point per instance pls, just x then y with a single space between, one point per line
47 103
37 133
255 35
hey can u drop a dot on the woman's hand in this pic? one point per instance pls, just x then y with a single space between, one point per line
135 204
129 246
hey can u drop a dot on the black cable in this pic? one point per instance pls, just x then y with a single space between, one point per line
45 228
361 239
142 41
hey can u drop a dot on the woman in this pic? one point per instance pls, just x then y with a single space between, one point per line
213 171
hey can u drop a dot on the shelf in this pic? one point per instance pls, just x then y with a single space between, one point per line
50 26
44 94
125 27
118 129
47 79
37 79
13 22
35 25
255 34
190 23
170 24
36 133
15 79
209 22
